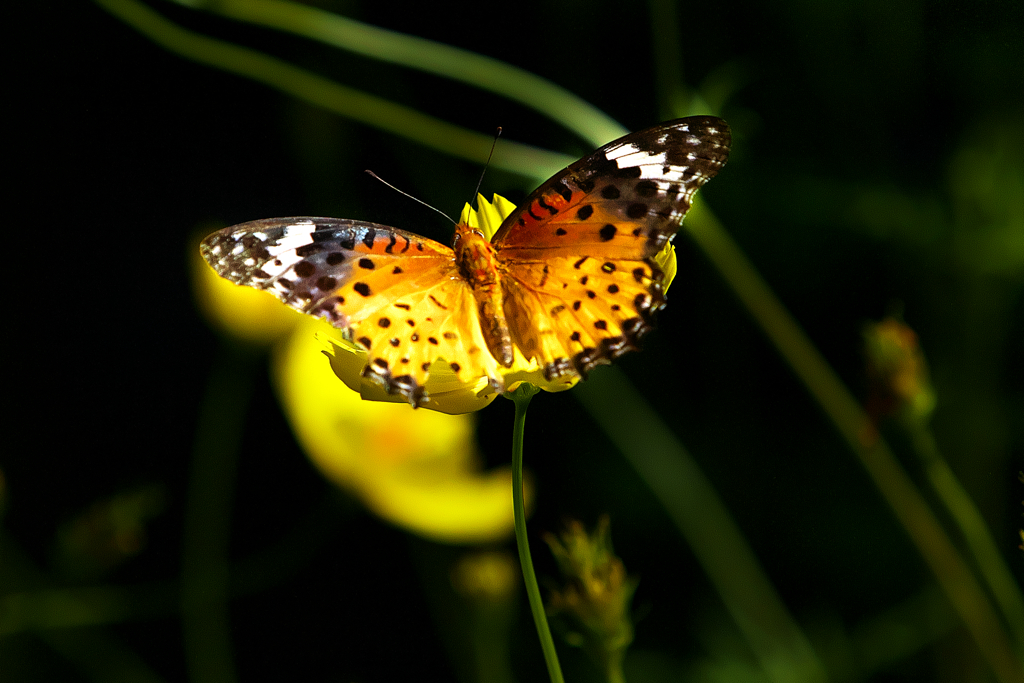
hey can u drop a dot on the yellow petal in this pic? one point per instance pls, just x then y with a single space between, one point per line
488 216
666 260
446 393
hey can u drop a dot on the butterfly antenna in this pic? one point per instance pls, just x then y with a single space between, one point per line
476 192
411 197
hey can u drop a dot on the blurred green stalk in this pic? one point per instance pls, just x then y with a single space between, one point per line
207 525
414 52
693 505
348 102
910 508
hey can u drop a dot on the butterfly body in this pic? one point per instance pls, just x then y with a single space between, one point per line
569 281
481 270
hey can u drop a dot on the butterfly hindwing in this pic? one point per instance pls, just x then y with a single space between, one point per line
436 320
573 314
393 293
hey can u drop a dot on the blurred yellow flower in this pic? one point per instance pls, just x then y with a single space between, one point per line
241 312
417 469
489 576
489 583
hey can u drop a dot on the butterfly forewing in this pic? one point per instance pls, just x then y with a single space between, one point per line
301 260
394 293
625 199
582 285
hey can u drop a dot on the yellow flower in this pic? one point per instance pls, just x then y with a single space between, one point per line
416 468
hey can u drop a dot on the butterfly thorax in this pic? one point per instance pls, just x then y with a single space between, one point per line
479 267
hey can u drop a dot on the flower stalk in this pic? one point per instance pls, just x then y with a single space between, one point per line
521 397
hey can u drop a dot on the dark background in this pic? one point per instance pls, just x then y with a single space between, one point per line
876 148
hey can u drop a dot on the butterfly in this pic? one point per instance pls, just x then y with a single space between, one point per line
568 281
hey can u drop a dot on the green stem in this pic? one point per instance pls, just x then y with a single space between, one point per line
521 397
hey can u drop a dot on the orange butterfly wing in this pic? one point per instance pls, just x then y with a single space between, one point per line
581 285
396 294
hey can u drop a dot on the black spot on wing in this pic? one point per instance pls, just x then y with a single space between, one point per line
561 188
636 210
646 188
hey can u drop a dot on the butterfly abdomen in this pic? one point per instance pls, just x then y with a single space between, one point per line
479 268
